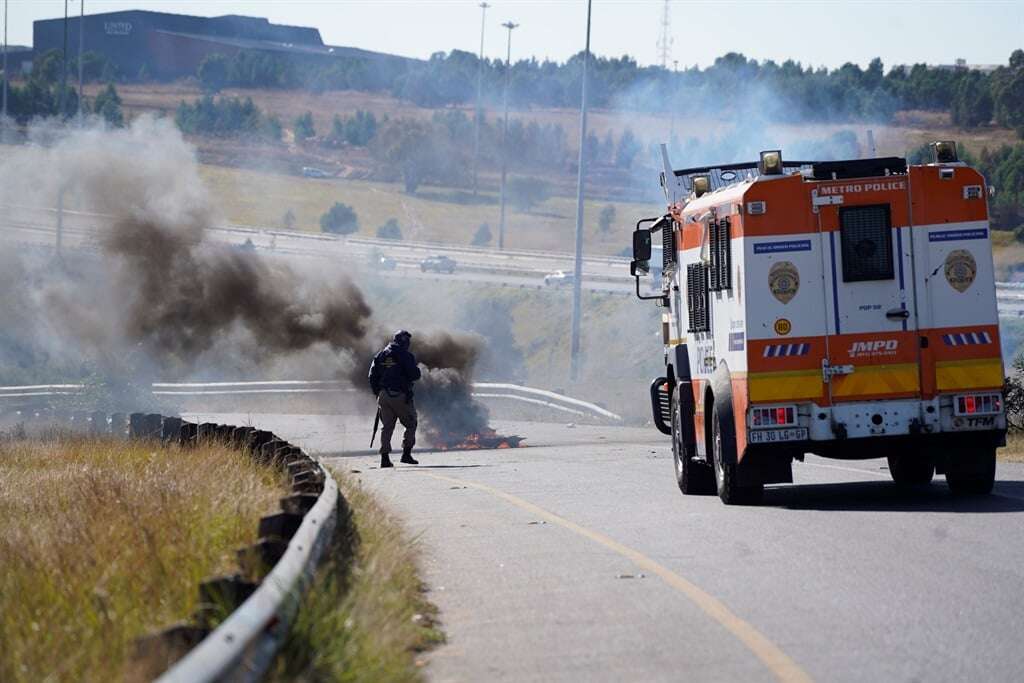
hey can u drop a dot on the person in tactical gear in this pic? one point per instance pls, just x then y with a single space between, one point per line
392 373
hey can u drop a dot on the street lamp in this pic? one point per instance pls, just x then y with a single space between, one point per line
6 74
574 360
479 97
81 43
504 135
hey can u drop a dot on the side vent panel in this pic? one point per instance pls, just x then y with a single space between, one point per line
721 256
699 317
668 248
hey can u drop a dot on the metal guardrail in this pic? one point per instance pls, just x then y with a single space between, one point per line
243 646
551 395
513 392
491 390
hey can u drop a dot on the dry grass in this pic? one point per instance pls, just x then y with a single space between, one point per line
103 541
366 618
1013 451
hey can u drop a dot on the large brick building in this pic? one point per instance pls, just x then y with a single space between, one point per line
173 45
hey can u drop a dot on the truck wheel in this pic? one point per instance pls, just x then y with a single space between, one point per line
911 470
729 490
975 477
694 478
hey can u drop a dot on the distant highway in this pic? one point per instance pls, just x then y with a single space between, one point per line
513 268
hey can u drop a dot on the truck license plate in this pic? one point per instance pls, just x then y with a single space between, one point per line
777 435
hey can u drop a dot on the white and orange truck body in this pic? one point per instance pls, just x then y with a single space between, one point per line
846 309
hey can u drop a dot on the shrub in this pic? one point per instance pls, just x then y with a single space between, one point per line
390 230
226 117
304 129
108 105
525 193
606 218
341 219
482 237
1013 389
213 73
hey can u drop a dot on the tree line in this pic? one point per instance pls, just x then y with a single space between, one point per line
49 90
733 85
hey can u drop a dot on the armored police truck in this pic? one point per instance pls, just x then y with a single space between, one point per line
842 308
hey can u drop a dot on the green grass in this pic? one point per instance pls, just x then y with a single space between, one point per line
260 198
104 541
366 616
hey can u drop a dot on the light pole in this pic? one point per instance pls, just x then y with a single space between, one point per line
671 101
63 107
504 135
81 43
64 64
479 98
577 281
6 75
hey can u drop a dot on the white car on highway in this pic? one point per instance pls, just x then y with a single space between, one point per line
558 278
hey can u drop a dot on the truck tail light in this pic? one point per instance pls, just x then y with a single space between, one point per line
775 416
978 404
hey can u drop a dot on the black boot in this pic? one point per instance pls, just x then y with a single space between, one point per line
385 461
407 457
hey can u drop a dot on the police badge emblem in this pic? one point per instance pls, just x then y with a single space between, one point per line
784 281
961 269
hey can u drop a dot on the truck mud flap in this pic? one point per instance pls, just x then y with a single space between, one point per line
661 404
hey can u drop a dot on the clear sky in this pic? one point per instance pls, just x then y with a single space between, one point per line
815 33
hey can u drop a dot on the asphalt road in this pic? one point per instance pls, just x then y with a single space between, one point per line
576 558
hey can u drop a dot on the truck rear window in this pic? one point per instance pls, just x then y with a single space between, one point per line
866 234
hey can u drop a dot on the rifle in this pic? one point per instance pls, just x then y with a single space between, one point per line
376 424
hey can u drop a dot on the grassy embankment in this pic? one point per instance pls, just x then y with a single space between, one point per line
366 618
103 541
260 198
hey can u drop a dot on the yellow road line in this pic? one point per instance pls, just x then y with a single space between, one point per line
777 661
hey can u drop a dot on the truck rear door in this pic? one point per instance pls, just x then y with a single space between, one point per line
872 350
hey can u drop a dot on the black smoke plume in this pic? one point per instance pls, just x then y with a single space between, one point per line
178 301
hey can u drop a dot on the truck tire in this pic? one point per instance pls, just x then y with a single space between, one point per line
911 470
726 477
973 478
693 477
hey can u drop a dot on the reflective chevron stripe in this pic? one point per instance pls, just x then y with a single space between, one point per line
779 350
966 338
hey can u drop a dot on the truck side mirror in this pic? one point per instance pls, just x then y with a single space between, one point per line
642 245
638 268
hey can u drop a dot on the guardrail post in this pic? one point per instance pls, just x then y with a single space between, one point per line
219 596
282 525
299 503
170 430
99 423
187 434
257 559
119 425
206 431
268 450
241 437
136 425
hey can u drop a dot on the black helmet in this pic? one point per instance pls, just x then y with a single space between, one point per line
403 337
